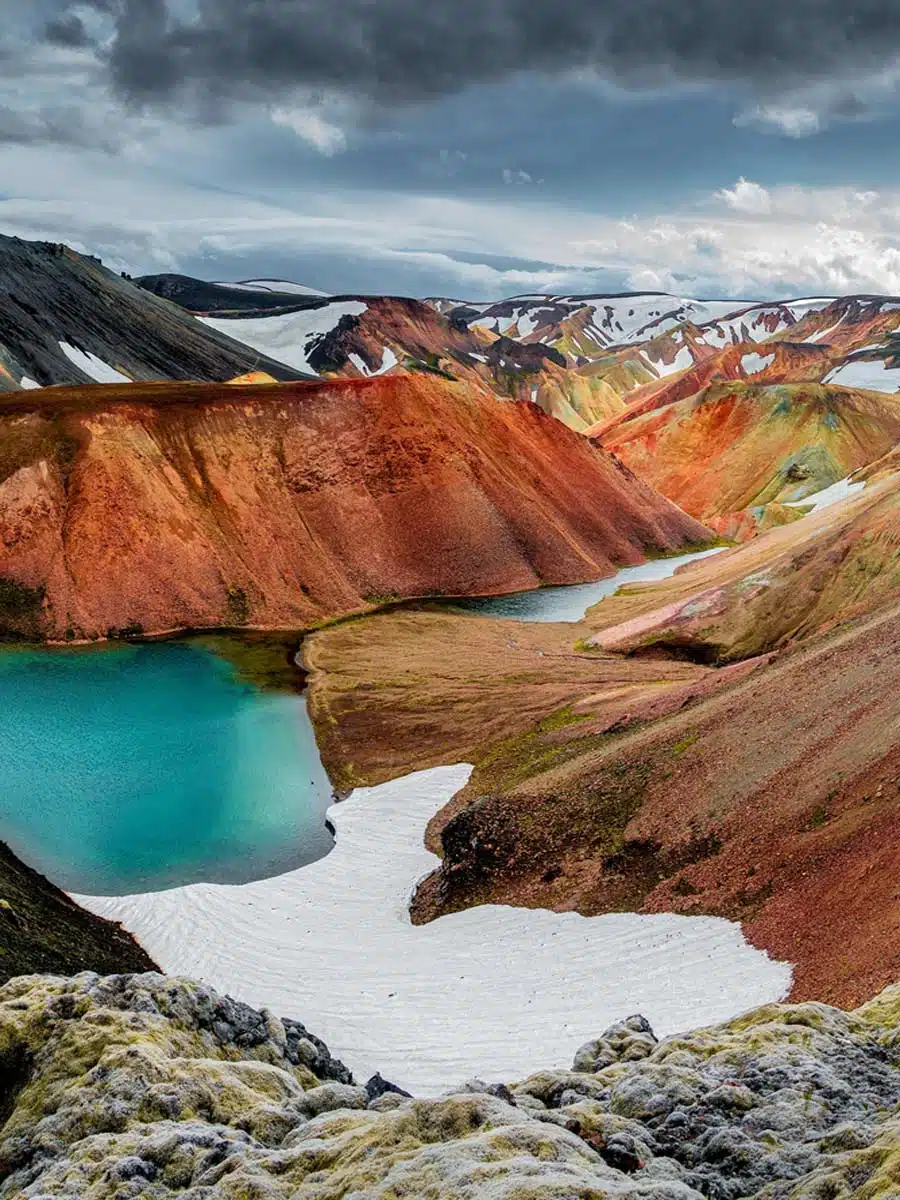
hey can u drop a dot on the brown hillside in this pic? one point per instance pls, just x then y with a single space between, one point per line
150 508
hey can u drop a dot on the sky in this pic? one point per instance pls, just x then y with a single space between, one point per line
463 148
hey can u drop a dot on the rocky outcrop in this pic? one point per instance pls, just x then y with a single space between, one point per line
41 929
154 508
144 1086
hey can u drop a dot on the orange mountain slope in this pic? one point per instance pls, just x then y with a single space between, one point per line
161 507
735 448
829 567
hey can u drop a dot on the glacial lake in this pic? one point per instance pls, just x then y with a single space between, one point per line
152 766
145 767
569 604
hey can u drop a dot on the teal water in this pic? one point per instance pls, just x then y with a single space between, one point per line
570 604
149 767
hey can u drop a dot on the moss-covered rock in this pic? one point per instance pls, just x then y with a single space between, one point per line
142 1086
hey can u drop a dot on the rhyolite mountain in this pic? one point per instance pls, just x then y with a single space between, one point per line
67 319
147 508
660 380
355 336
623 349
764 447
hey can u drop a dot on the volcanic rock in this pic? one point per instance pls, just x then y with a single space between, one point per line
141 1085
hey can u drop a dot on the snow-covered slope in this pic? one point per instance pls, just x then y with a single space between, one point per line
292 337
281 287
613 320
756 323
872 374
589 326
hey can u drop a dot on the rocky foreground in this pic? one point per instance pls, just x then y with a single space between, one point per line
139 1085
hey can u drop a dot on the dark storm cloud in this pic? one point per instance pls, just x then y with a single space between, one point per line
67 30
404 51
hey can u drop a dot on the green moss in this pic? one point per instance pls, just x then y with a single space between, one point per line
430 364
685 744
21 608
583 646
505 764
820 816
379 599
263 660
238 606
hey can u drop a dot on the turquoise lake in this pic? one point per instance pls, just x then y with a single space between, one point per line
149 767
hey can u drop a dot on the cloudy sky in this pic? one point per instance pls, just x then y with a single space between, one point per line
472 148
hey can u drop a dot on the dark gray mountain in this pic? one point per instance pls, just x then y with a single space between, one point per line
220 299
51 298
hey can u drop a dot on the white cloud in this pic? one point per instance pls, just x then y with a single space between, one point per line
795 122
745 240
313 128
747 197
516 177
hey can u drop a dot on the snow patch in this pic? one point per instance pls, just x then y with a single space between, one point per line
753 364
494 992
842 490
28 384
682 361
822 334
389 360
273 285
498 325
291 337
94 367
527 323
873 374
